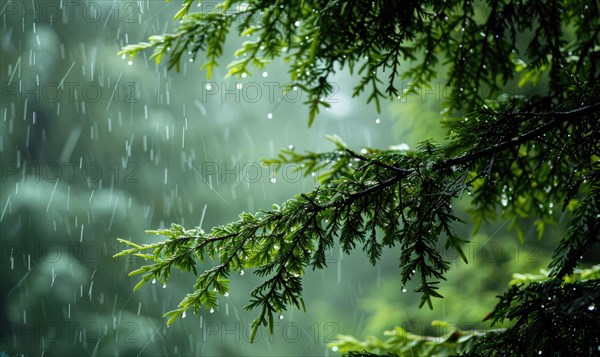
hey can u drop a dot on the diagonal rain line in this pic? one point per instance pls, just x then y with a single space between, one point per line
203 180
150 339
20 282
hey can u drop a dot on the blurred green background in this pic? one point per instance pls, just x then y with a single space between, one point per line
94 148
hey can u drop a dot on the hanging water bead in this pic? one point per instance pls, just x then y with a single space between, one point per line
212 310
226 294
403 289
270 116
154 281
242 272
183 315
265 74
273 180
377 121
281 317
164 285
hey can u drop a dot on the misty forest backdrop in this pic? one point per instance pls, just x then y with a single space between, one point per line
94 147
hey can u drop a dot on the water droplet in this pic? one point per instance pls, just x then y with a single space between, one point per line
335 348
238 86
270 116
212 310
281 317
242 272
297 23
265 74
403 289
592 307
164 285
130 63
226 294
273 180
244 75
291 147
183 315
208 86
123 57
153 281
377 121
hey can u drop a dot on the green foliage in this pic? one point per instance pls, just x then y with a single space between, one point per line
474 41
450 340
524 156
562 319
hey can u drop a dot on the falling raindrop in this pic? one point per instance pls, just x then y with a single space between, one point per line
377 121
